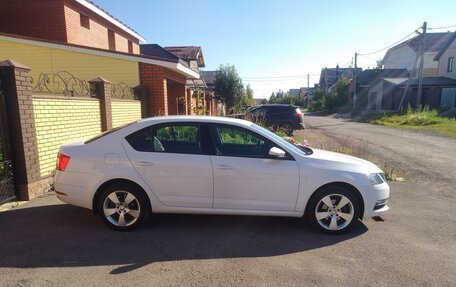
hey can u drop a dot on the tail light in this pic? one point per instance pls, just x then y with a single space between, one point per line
298 113
62 161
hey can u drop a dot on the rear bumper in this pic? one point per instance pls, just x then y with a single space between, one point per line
299 126
75 188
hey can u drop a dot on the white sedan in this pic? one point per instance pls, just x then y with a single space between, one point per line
214 165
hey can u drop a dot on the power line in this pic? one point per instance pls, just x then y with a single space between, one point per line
274 77
275 81
444 27
349 62
392 45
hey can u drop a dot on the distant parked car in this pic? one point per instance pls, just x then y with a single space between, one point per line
284 117
215 165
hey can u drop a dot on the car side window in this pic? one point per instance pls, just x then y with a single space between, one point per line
170 138
239 142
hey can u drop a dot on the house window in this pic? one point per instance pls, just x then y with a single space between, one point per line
111 40
130 47
450 64
85 22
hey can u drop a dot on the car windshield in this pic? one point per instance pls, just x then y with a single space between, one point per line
281 140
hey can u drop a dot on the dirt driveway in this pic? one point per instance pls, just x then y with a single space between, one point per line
422 157
47 243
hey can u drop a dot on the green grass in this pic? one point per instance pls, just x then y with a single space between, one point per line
424 120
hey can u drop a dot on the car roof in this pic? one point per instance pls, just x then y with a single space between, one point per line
204 119
279 105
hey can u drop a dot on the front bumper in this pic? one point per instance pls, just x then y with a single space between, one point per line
375 199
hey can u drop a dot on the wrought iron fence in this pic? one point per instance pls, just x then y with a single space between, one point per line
7 190
63 83
123 91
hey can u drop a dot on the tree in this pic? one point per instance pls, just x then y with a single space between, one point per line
379 64
264 101
248 100
272 98
228 87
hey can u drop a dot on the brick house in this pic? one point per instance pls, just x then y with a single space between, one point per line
202 95
78 22
74 71
81 23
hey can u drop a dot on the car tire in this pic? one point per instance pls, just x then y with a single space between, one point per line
123 206
333 210
287 128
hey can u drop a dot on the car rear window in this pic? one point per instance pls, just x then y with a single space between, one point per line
105 133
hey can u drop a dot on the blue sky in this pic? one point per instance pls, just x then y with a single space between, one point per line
283 39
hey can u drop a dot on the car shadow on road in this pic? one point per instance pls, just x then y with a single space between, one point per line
67 236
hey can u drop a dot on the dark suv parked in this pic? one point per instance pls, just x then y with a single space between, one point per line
285 117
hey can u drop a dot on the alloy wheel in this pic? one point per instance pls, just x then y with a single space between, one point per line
121 208
334 212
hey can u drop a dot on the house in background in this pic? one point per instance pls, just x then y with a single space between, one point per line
447 68
404 55
307 95
78 22
375 91
200 97
192 55
294 92
209 79
330 76
438 85
85 41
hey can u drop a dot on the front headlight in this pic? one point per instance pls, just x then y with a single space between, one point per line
376 178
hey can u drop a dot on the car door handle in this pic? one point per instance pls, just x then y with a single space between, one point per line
144 163
224 167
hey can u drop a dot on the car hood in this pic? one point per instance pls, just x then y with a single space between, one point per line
333 160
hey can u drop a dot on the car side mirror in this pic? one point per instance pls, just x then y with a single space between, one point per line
276 152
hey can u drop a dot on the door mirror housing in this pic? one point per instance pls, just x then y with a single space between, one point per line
276 152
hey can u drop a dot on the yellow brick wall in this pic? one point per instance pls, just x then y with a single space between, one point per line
60 120
124 112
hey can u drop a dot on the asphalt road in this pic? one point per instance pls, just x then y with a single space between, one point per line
47 243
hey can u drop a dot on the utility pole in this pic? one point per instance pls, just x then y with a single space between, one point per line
307 81
355 75
420 71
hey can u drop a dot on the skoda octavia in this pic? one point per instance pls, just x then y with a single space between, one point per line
215 165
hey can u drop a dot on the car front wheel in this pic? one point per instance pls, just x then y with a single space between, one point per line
333 210
123 207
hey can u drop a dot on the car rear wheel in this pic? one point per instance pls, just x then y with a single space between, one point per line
333 210
287 128
123 207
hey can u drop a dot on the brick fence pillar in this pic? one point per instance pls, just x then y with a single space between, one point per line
103 93
188 101
140 93
17 84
